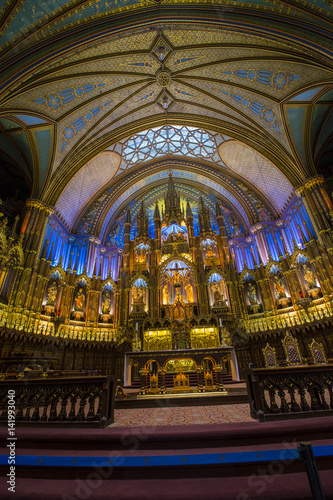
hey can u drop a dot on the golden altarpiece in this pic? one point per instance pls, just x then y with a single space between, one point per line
178 300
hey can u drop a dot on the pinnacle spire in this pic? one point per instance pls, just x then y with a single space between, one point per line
171 187
188 209
218 210
173 210
128 217
157 212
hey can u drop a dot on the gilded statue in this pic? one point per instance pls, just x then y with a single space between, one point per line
140 254
179 298
79 300
106 301
278 287
52 294
138 295
189 293
252 294
166 298
309 277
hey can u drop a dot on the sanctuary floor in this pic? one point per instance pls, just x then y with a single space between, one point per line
188 415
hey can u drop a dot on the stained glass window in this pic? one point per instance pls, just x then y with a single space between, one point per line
178 140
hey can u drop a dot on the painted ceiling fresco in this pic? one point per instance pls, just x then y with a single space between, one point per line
100 99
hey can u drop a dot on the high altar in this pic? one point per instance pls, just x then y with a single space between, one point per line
185 333
205 365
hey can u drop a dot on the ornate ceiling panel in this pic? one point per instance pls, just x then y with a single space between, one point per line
102 71
180 37
81 121
56 99
270 76
255 106
127 104
123 44
254 167
85 184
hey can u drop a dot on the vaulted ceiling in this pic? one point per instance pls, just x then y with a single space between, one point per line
90 90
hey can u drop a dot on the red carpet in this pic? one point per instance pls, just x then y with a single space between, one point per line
266 480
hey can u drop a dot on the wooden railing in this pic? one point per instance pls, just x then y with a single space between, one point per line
70 401
290 392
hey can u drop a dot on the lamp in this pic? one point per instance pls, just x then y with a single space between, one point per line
161 52
165 101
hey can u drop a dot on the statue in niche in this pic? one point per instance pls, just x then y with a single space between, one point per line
278 287
106 301
79 300
224 208
189 293
218 297
52 293
111 241
120 216
217 294
138 295
263 214
166 298
140 254
85 226
309 278
252 293
179 298
238 233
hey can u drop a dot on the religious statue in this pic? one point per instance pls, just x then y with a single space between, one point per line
252 293
238 233
140 254
189 293
166 298
52 292
142 294
106 301
179 235
224 208
179 298
216 292
138 295
112 242
263 214
85 226
278 287
79 300
309 278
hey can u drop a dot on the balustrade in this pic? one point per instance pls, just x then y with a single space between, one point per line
290 392
79 401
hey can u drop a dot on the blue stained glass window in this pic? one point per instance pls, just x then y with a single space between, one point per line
171 139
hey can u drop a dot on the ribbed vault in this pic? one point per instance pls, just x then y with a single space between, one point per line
97 73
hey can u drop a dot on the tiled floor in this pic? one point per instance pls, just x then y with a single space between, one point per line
189 415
